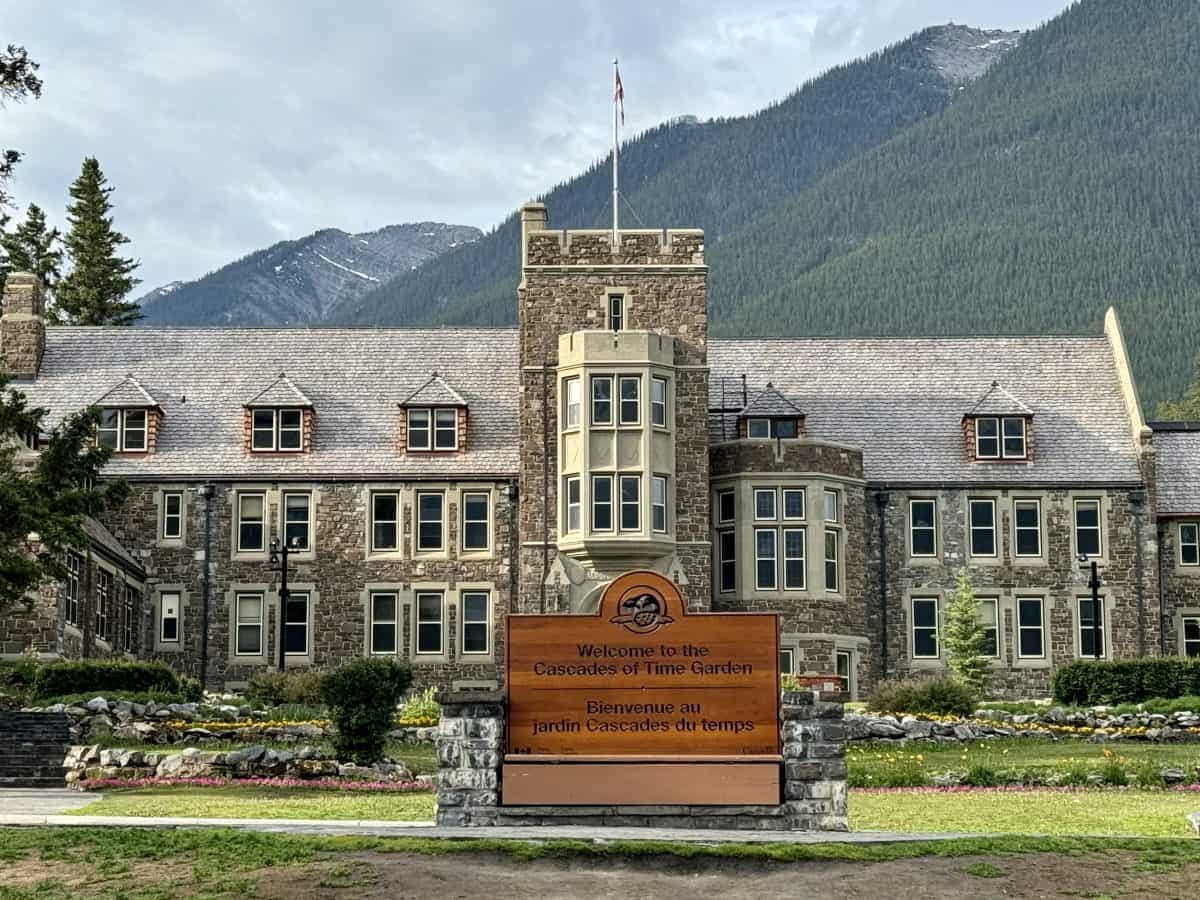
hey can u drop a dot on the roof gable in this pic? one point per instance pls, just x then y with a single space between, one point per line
127 393
769 403
434 392
996 401
280 392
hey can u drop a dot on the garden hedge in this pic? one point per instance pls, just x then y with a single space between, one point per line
1089 683
99 676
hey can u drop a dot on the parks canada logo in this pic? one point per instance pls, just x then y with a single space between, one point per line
642 610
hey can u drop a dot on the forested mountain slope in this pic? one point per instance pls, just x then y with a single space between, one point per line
717 175
1065 180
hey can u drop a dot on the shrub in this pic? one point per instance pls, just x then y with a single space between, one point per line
361 697
981 776
1148 775
298 688
98 676
1090 682
940 696
1114 773
421 706
1076 775
191 688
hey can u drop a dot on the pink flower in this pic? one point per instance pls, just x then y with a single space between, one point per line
317 784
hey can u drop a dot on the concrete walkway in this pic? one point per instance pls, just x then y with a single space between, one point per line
41 801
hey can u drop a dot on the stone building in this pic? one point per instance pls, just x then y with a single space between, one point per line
434 480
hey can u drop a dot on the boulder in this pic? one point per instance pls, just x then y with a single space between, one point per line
1173 776
97 705
245 757
99 726
1194 819
884 728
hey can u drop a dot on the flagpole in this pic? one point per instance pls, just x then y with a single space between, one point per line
616 147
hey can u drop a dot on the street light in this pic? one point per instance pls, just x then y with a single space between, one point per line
279 563
1094 584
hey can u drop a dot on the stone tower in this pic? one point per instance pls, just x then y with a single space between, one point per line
614 411
22 326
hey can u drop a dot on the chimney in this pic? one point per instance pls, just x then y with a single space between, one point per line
22 326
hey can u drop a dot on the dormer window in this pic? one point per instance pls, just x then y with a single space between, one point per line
122 430
785 428
771 415
433 429
279 430
1014 438
987 438
435 418
997 427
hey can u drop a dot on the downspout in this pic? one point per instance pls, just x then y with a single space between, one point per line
88 625
1136 500
545 486
881 503
1162 598
205 577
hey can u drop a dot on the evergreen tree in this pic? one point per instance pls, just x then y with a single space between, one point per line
18 80
965 636
33 248
95 290
1186 408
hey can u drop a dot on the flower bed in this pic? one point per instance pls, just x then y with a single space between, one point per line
317 784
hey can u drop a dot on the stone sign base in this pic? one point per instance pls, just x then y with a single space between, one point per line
470 791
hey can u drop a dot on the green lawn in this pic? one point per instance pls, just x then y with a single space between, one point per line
1127 812
261 803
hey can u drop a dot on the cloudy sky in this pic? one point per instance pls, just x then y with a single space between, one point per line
227 125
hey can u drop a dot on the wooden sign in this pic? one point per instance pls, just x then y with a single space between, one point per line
643 680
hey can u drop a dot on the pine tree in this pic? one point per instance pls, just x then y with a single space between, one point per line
18 80
33 248
1186 408
95 290
965 636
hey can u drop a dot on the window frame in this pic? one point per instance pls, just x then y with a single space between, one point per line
774 516
593 382
615 312
104 586
131 594
635 503
721 495
242 496
309 524
836 496
726 563
576 506
377 622
972 528
276 429
421 520
163 618
115 429
636 400
570 422
297 429
802 559
994 626
468 622
794 491
834 560
935 628
658 484
773 559
167 516
913 528
418 621
1018 503
595 503
1099 526
980 438
751 422
121 428
658 407
788 668
295 597
1081 629
439 429
240 623
1022 627
74 564
1194 543
126 429
1184 640
376 521
486 521
426 429
1005 437
846 682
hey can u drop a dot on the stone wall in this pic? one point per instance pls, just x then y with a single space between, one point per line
470 787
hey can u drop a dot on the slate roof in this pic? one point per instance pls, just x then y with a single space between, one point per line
280 392
902 401
1177 468
996 401
355 378
770 403
434 392
101 538
128 393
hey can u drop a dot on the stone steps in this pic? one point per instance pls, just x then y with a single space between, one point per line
32 749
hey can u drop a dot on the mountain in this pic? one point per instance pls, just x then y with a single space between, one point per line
302 281
718 174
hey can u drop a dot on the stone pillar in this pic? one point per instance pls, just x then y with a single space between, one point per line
22 326
470 739
814 754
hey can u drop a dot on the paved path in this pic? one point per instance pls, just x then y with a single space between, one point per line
41 801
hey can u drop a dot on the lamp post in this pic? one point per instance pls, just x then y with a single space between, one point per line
1094 584
279 563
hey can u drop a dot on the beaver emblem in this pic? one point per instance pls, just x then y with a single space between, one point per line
642 612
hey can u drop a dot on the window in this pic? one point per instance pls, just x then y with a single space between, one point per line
658 503
987 438
793 559
445 429
172 516
385 522
1031 640
249 639
833 506
764 504
602 503
571 493
297 526
1091 628
383 623
658 402
131 604
631 406
1087 528
429 623
475 521
843 663
764 559
787 666
122 429
103 598
616 312
785 428
602 400
987 616
793 503
1191 636
631 510
476 607
251 535
983 527
727 549
571 403
1027 527
295 624
758 428
429 521
418 430
925 627
273 429
922 519
71 588
832 552
168 618
726 506
1014 438
1189 544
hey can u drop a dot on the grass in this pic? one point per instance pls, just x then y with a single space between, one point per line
1141 813
260 803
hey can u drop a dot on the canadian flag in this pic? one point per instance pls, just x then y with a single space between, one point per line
619 93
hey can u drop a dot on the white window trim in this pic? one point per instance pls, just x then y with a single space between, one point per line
1080 599
612 416
836 533
788 668
293 596
611 504
167 497
803 504
239 622
487 623
621 420
995 624
774 504
622 319
848 655
912 527
774 560
1183 641
750 428
568 505
802 558
487 522
394 622
568 383
1024 454
1037 505
104 592
440 429
1040 628
441 547
1195 526
162 617
395 495
1099 525
972 527
276 429
428 429
122 429
655 482
309 524
659 381
238 498
937 626
622 503
979 438
721 560
418 621
837 506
